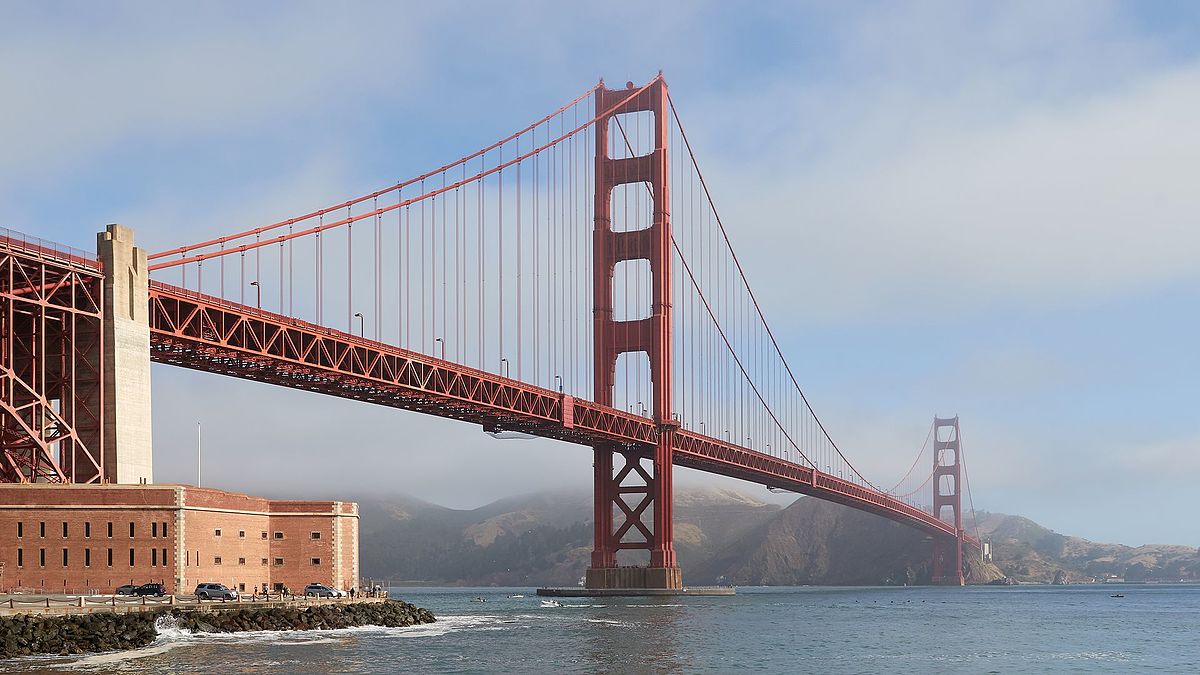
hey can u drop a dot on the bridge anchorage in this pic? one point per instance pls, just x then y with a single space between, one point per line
464 293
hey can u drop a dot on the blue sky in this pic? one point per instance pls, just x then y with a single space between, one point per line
990 209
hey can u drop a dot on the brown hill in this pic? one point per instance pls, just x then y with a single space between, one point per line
726 536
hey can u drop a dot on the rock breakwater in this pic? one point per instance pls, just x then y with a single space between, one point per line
29 634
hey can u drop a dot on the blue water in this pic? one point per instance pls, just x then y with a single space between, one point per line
1074 629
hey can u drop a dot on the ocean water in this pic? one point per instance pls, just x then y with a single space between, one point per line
1043 629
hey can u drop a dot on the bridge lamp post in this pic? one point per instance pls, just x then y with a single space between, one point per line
362 323
558 379
442 342
504 367
257 294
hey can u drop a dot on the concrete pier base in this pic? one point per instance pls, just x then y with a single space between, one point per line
665 578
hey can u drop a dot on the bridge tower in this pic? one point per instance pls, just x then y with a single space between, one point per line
947 493
632 489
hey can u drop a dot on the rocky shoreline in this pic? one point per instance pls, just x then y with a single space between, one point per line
28 634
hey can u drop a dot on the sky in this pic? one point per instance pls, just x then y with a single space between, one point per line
991 210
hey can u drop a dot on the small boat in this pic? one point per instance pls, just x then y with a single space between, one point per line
551 603
516 595
1116 595
478 600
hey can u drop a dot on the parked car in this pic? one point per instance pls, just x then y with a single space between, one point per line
322 591
212 591
157 590
127 589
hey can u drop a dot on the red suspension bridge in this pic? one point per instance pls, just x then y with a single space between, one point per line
572 281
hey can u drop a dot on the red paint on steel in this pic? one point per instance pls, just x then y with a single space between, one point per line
651 335
947 463
51 364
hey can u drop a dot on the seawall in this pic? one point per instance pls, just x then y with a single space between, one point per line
28 634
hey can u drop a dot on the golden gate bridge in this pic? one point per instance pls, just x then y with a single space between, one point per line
573 280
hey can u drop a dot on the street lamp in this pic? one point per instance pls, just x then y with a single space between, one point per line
443 344
257 294
558 379
362 323
504 367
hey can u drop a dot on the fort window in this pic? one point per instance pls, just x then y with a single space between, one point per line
41 557
110 530
217 532
316 561
164 557
153 529
64 557
241 534
20 529
42 529
87 557
110 557
279 535
279 562
154 557
131 558
316 535
217 560
20 557
87 530
264 561
264 535
164 528
64 529
241 561
131 530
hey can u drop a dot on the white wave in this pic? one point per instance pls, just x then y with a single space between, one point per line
664 605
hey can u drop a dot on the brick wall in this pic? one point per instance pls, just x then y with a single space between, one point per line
180 536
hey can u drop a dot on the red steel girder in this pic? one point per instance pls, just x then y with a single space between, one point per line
205 333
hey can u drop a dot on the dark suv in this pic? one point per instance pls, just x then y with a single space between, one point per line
213 591
157 590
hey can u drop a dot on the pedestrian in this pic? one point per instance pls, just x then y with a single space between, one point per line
351 592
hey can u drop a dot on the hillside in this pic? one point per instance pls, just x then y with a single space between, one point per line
727 536
1027 551
534 539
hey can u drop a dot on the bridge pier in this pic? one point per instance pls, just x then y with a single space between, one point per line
128 454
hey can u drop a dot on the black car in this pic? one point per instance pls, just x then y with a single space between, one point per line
157 590
127 589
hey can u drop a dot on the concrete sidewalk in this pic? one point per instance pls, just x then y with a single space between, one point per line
90 604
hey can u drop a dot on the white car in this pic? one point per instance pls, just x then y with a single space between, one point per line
322 591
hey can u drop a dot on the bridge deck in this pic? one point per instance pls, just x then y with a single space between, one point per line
206 333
